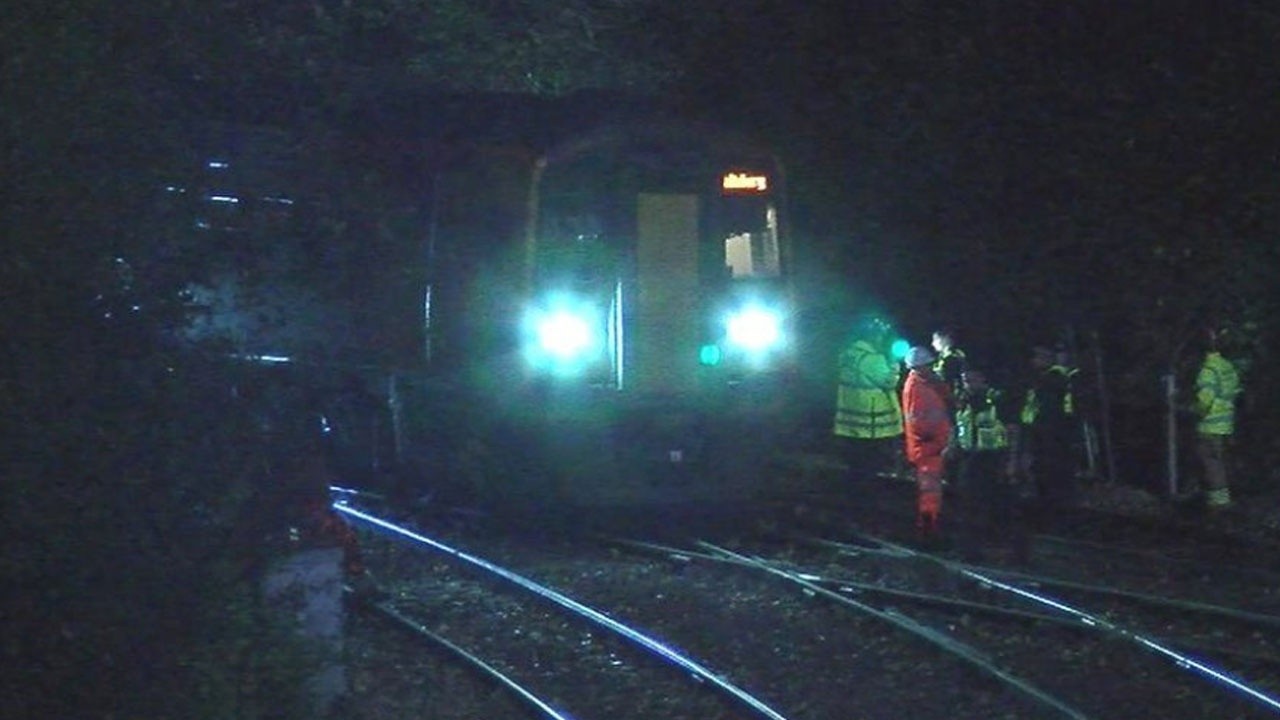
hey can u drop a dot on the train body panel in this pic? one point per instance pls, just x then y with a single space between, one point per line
656 338
667 287
605 319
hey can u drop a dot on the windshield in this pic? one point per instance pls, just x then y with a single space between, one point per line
750 238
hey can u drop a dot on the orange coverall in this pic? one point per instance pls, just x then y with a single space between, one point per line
928 432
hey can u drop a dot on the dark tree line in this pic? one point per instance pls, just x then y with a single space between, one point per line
1033 164
1031 170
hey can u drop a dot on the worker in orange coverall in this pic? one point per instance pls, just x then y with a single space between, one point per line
928 436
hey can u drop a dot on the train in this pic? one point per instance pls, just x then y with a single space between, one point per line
600 313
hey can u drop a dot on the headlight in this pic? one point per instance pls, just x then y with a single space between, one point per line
563 335
754 329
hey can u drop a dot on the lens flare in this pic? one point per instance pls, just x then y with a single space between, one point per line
755 329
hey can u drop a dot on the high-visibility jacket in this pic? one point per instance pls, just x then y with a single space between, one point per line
1050 398
867 405
1217 385
950 367
926 421
1069 399
978 424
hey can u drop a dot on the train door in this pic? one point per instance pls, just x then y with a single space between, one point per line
667 283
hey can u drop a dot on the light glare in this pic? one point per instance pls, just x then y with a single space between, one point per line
755 329
564 335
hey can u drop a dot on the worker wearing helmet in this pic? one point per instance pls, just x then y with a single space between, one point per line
1217 385
986 428
950 363
1050 432
868 414
927 425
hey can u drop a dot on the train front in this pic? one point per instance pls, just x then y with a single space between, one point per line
658 340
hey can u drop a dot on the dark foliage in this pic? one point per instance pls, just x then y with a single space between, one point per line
1085 171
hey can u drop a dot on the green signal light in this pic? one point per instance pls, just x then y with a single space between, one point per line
899 348
709 355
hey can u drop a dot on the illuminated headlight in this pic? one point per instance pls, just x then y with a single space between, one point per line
755 329
563 335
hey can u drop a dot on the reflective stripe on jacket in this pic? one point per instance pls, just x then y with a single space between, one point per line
927 424
867 405
1217 385
978 424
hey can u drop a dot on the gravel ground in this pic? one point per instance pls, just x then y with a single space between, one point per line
810 659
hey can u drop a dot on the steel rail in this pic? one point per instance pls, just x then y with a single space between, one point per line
1141 554
951 645
890 548
931 599
859 586
354 492
636 637
525 696
1201 669
1247 616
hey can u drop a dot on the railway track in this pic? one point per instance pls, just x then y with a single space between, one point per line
885 576
1140 617
555 655
1255 586
970 644
815 660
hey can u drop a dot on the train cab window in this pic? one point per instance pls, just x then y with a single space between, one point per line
752 251
572 247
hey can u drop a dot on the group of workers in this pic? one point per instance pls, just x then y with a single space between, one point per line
963 436
1001 455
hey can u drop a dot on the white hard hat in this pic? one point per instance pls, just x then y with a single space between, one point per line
918 356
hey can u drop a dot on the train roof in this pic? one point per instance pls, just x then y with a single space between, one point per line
541 124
